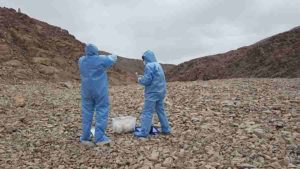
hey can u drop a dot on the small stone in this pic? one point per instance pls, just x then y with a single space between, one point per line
14 63
148 164
228 103
276 165
181 152
168 162
292 166
234 125
61 167
119 161
259 132
42 60
287 136
145 167
245 166
67 85
19 101
158 166
88 144
48 70
154 155
243 137
279 124
209 167
185 146
195 119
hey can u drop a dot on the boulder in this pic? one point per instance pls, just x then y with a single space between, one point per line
13 63
41 60
48 70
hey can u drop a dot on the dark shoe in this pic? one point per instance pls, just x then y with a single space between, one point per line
139 134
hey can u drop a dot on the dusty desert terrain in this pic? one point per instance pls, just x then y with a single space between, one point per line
237 123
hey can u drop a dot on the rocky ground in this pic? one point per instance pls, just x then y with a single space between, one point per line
238 123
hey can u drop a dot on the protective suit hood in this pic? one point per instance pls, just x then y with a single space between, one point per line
149 56
91 50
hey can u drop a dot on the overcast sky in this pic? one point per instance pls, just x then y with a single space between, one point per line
176 30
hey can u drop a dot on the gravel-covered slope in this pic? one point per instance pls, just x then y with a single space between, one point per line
238 123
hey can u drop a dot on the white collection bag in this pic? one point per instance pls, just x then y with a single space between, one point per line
123 124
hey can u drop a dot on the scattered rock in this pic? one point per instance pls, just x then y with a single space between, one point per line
292 166
159 166
181 152
23 73
245 166
67 85
43 61
4 51
14 63
147 164
209 167
259 132
277 123
48 70
145 167
19 101
276 165
287 136
61 167
168 162
154 155
195 119
50 126
88 143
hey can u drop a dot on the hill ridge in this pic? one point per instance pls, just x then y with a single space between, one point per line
276 56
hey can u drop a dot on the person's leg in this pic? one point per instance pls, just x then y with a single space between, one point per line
87 118
102 113
146 119
162 116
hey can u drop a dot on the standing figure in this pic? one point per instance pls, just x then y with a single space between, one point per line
154 82
94 92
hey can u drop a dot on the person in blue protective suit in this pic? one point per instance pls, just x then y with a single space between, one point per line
94 92
155 91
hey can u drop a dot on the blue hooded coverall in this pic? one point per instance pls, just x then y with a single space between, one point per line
155 92
94 92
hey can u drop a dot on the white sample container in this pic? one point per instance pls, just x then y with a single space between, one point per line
123 124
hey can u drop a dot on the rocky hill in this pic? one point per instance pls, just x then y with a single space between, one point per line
34 50
30 49
276 56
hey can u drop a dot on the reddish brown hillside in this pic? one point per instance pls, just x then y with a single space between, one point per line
34 50
31 49
277 56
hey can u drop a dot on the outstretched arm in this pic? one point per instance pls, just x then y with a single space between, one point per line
109 60
146 79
